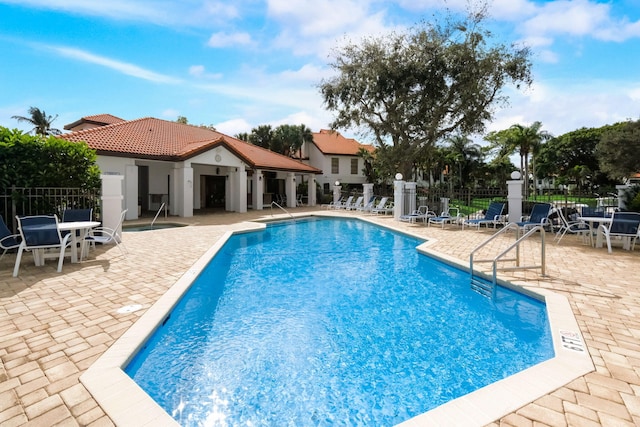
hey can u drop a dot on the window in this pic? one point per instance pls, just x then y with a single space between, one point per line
354 166
335 169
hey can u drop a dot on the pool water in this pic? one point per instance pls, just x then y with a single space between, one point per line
332 322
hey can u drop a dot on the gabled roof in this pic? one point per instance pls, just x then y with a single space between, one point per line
332 142
151 138
97 119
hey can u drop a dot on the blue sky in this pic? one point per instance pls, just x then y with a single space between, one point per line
240 64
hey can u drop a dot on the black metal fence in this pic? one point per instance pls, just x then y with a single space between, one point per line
45 201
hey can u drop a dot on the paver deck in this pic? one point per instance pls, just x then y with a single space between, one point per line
53 326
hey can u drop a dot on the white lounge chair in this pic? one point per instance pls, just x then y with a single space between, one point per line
368 206
421 214
355 205
345 204
539 216
383 207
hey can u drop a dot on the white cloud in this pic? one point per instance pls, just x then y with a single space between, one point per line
170 114
233 127
121 67
200 72
193 13
223 39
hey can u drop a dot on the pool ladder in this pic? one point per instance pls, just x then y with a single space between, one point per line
158 213
283 209
487 287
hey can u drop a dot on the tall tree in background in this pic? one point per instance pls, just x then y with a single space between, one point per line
412 90
41 122
527 140
463 156
619 150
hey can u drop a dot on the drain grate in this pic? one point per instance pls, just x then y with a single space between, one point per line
129 308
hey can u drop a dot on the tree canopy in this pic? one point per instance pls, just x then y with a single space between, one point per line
410 90
619 150
36 161
41 122
285 139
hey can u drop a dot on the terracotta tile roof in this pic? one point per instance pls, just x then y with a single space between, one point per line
151 138
97 119
332 142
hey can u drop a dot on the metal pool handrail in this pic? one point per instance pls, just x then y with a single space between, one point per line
477 285
283 209
158 213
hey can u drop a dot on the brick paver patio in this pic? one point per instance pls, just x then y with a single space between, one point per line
53 326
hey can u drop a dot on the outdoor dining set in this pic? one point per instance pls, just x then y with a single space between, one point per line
47 237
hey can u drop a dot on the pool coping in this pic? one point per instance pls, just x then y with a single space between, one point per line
128 405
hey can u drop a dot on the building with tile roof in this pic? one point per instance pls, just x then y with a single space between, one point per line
337 157
189 167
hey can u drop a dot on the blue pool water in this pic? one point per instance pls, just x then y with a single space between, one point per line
331 322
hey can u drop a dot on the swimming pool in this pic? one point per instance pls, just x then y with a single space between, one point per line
149 227
313 333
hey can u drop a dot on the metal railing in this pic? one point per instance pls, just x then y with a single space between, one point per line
158 213
24 201
485 288
283 209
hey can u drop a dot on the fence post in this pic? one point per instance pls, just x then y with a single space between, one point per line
514 197
398 193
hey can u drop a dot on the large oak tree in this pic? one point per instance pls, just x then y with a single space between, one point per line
411 90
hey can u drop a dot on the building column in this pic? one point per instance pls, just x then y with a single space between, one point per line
241 189
258 190
112 198
183 191
290 189
131 191
367 192
337 192
311 190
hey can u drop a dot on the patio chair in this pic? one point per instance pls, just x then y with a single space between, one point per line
40 233
383 207
577 227
539 216
492 216
624 225
332 204
345 204
106 235
73 215
422 213
445 218
355 205
367 206
8 241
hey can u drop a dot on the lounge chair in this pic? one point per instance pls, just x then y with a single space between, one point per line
492 216
420 214
345 204
624 225
368 206
539 216
8 240
577 227
383 207
40 233
106 235
355 205
333 204
446 218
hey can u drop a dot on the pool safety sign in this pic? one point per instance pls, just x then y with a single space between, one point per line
571 341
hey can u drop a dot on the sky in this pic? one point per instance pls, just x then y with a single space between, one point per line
238 65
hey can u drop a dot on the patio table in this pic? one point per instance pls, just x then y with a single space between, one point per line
83 227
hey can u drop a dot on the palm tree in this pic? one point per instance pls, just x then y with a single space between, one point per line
464 154
527 139
41 122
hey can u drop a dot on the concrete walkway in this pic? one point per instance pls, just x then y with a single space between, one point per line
53 326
